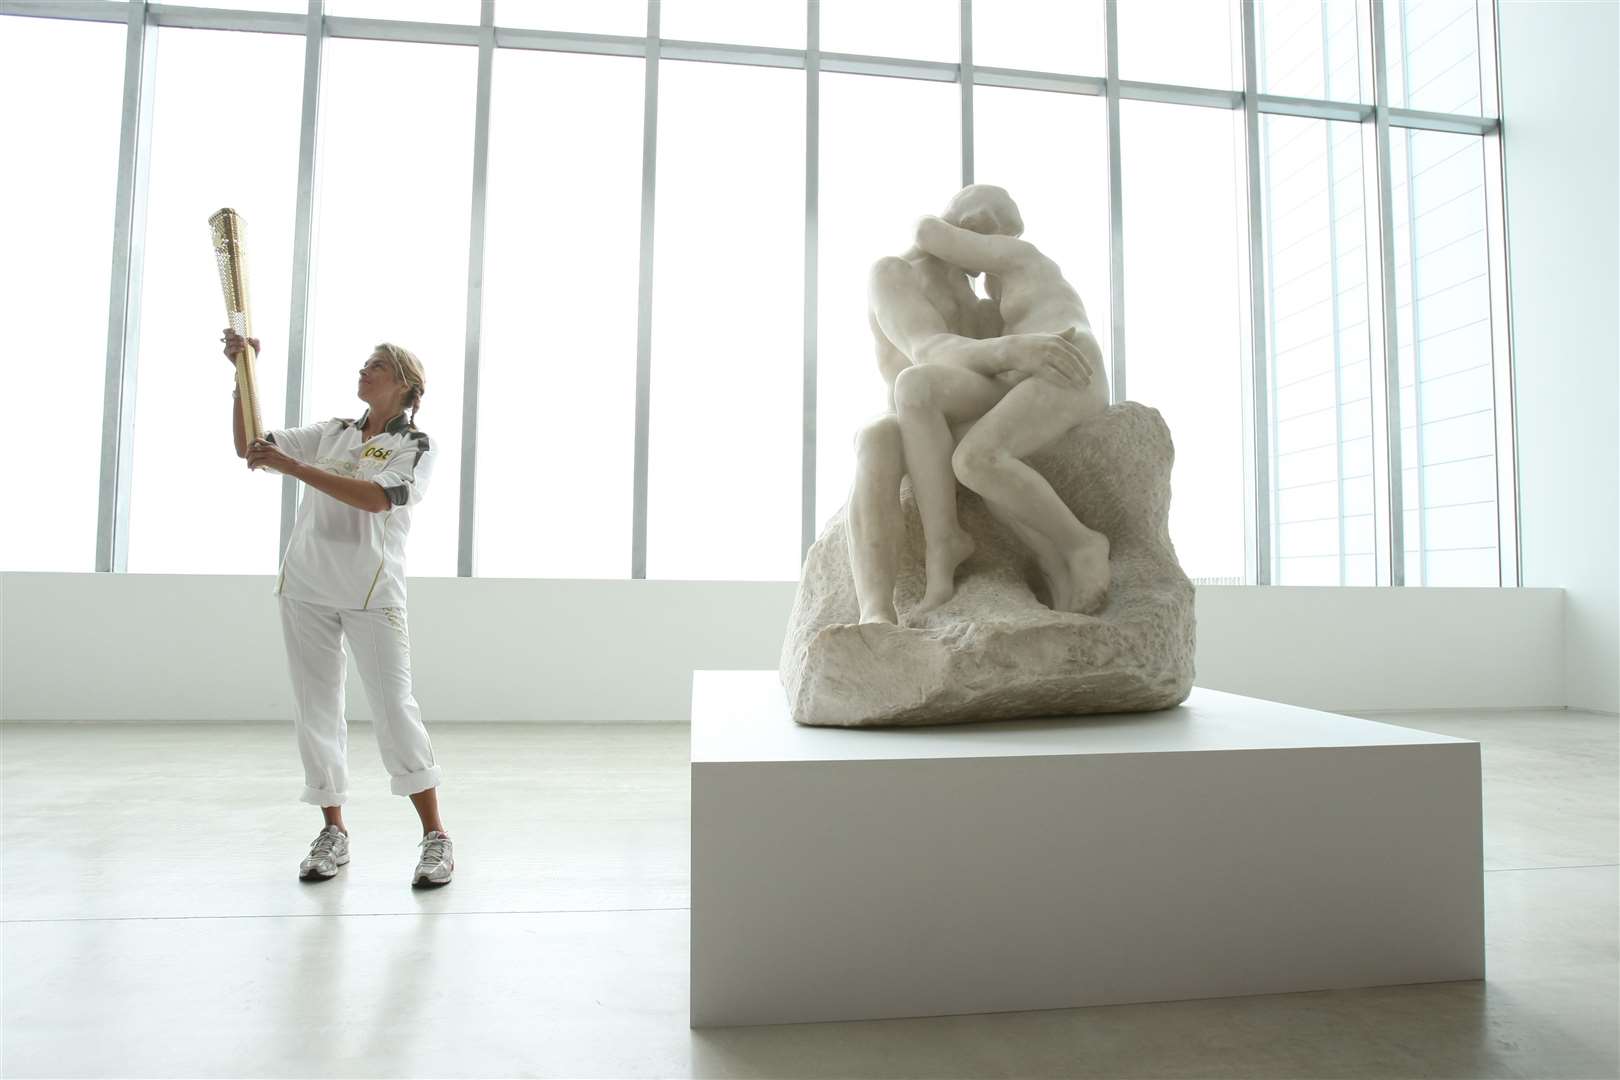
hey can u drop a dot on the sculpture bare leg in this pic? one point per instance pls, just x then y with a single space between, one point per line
929 398
1053 566
876 528
990 459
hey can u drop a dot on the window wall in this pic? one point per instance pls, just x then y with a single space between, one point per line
1320 375
56 251
1443 322
191 507
392 213
1188 228
727 324
558 354
635 266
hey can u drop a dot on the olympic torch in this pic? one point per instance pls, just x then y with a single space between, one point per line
231 256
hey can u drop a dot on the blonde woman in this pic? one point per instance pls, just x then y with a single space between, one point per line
343 578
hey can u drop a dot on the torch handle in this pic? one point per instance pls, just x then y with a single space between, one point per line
248 395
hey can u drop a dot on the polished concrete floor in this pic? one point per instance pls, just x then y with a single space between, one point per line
153 925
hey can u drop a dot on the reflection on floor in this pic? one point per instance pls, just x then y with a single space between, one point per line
154 926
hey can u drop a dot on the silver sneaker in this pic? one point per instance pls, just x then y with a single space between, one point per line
329 851
437 861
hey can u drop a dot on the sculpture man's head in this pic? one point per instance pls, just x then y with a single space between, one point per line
985 208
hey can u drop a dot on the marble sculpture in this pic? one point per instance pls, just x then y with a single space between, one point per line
1026 569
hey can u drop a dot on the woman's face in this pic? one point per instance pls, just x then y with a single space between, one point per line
379 386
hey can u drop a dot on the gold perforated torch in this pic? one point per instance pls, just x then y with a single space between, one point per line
231 256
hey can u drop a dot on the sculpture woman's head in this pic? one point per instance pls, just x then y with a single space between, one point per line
985 208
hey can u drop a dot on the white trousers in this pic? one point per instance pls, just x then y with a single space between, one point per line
382 652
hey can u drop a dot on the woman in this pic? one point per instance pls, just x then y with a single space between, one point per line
343 577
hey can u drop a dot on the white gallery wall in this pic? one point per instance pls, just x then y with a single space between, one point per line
195 647
1561 134
160 646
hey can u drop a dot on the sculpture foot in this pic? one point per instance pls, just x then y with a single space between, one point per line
1049 562
942 560
1089 576
1055 571
880 614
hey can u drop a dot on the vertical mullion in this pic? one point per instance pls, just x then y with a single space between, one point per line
1267 377
1502 366
1415 321
1333 284
1116 211
475 294
303 251
1270 520
1416 324
812 189
1259 443
649 173
1387 427
965 77
124 300
1272 462
1490 90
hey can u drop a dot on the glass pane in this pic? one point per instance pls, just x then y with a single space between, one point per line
561 270
1038 35
776 23
1310 49
726 439
878 176
183 384
1448 425
440 11
56 227
391 262
1185 228
1187 42
296 7
1433 51
913 29
626 18
1050 151
1319 376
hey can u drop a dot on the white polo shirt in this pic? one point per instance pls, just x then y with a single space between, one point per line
339 555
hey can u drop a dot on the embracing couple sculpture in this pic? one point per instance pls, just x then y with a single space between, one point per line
975 387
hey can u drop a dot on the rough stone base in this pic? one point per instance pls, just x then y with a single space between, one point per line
996 651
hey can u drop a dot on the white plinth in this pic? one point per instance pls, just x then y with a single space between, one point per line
1228 846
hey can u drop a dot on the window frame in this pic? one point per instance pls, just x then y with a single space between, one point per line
1377 120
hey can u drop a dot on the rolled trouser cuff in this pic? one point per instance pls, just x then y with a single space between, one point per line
318 797
413 782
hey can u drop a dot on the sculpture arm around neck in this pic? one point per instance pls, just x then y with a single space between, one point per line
974 252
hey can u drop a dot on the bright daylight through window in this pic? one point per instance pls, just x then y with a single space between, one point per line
647 258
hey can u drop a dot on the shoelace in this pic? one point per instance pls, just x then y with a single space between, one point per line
434 847
324 844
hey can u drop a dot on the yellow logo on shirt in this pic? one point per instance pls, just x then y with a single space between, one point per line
376 452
